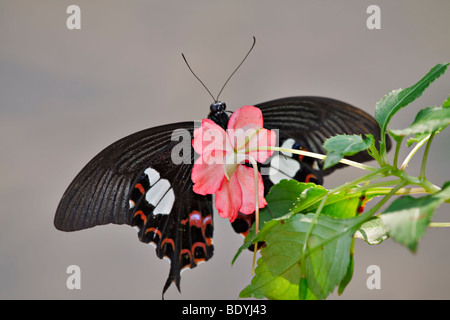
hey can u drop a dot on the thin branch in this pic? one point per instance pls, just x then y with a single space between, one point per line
316 156
413 152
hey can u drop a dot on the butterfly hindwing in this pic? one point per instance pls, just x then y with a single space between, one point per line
135 181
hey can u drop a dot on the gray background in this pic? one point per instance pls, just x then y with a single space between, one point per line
65 95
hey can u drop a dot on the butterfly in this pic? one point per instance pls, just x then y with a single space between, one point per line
135 181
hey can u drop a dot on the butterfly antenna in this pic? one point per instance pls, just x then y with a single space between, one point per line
254 42
198 78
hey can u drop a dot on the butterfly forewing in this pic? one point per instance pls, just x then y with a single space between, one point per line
99 194
309 121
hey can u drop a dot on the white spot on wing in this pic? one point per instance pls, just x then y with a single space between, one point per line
289 166
282 168
153 175
155 193
315 165
185 268
288 144
160 194
166 203
276 176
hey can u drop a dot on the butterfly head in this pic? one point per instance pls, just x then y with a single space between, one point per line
218 114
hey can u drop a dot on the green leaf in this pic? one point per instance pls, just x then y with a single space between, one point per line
416 139
397 99
407 218
373 231
446 103
345 204
282 286
345 145
282 200
285 196
419 136
428 120
349 274
286 271
304 292
291 197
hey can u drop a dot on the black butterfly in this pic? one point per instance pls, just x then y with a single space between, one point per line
134 181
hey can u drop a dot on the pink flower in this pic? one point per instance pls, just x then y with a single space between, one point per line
220 170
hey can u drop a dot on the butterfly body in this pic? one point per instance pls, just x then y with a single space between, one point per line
135 181
218 114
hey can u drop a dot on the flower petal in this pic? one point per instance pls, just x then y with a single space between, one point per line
245 176
207 177
243 124
245 130
263 138
228 198
246 117
209 138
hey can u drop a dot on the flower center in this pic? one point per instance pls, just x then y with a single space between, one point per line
232 160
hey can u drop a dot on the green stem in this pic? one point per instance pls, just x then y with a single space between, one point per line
439 224
428 186
397 149
256 176
375 208
424 183
425 157
378 184
400 192
383 153
374 153
313 155
371 190
377 188
368 177
413 152
376 174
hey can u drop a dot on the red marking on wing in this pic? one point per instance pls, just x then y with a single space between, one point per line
196 220
309 177
201 245
207 220
300 156
168 241
142 216
154 230
140 188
